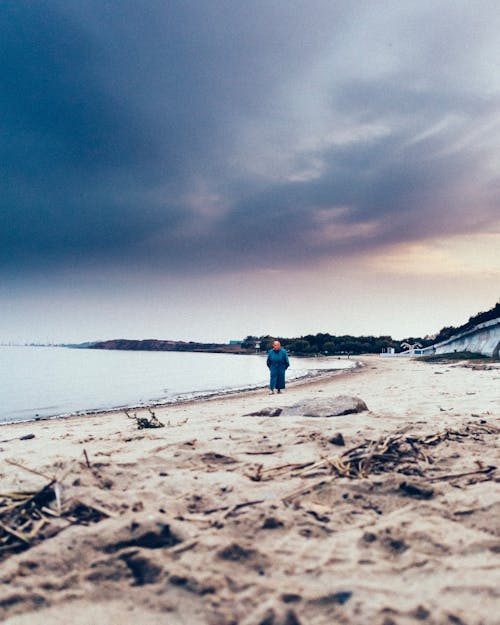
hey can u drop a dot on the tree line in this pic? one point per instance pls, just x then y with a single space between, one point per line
324 343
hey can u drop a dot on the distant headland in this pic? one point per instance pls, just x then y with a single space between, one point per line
158 345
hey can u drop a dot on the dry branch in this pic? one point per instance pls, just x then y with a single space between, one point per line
144 422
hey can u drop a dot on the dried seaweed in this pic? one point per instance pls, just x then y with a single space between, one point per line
144 422
29 517
394 453
377 456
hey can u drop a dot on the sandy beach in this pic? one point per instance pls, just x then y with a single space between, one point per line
226 517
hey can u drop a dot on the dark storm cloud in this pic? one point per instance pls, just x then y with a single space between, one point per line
197 134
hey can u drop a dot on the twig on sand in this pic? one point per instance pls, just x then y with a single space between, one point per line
258 453
242 505
196 518
306 489
230 509
34 471
14 533
184 547
262 474
87 462
438 478
292 465
212 510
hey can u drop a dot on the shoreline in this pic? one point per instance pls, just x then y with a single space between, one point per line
231 516
312 376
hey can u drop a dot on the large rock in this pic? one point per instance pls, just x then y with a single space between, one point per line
327 406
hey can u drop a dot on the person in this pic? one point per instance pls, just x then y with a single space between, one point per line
278 363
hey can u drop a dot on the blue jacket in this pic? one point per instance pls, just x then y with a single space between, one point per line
277 360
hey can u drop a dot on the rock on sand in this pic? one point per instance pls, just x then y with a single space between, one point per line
327 406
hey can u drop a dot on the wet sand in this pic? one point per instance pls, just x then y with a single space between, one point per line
224 518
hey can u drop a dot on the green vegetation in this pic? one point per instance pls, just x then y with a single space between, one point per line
452 357
324 343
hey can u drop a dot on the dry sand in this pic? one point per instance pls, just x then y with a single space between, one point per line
213 520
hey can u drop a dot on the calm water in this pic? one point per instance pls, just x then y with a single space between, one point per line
53 381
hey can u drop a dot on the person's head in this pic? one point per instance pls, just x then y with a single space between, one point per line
276 346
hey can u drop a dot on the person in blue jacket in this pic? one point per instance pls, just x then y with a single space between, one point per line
278 363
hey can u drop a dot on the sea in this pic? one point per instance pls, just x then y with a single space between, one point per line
46 382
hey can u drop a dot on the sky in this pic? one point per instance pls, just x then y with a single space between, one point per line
210 169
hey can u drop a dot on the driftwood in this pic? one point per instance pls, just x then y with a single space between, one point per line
228 510
144 422
28 517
